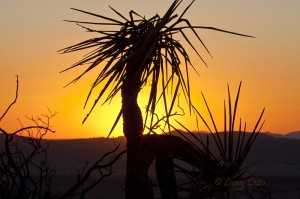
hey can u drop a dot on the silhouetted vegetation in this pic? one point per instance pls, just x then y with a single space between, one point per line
144 50
232 147
24 169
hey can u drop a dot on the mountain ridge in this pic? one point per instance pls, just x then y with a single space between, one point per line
292 135
274 156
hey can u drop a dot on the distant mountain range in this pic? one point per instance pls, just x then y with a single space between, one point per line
273 155
292 135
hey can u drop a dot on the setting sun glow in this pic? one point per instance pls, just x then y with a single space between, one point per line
269 65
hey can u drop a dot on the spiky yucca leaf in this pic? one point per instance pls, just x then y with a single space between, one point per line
230 152
151 43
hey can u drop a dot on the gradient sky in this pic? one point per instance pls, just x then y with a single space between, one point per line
32 31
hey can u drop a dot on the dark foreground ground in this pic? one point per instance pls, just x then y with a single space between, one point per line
277 164
275 188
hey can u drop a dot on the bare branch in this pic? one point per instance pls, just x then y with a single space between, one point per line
32 127
15 100
95 167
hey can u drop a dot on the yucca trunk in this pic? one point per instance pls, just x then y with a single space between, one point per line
132 116
136 185
142 150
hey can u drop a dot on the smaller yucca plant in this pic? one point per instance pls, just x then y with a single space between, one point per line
232 147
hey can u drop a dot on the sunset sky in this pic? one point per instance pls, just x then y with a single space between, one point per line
32 31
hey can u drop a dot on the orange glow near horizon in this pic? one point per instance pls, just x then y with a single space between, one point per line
268 65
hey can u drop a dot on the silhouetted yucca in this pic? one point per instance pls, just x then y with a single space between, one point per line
232 146
151 45
132 52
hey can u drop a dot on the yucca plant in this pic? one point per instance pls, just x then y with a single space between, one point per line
134 52
232 147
